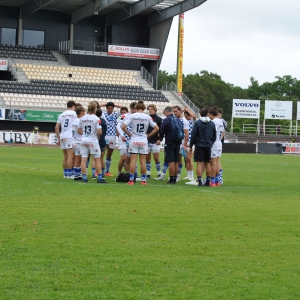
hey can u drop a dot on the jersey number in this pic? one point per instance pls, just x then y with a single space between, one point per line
87 129
66 123
140 128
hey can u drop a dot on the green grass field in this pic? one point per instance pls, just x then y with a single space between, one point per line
62 239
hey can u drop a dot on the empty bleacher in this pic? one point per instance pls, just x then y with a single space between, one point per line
26 53
51 87
74 74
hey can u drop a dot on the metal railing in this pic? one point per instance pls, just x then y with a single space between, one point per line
171 86
271 129
13 68
147 76
79 46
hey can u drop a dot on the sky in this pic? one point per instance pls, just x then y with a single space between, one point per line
239 39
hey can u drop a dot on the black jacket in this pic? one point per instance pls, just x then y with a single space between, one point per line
154 138
203 133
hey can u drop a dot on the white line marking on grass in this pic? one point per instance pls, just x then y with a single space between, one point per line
29 168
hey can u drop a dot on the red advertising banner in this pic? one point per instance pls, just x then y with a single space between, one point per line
3 64
117 50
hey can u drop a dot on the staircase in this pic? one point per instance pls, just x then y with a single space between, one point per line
60 58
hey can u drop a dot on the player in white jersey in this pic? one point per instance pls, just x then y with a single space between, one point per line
225 126
139 122
90 129
63 130
76 138
177 111
190 117
216 150
123 142
111 133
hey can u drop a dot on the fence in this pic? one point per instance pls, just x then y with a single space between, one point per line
183 98
271 129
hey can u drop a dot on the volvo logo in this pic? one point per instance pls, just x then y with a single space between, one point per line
278 104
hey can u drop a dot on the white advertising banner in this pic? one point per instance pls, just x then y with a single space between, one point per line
247 109
3 64
28 137
298 110
118 50
278 109
293 148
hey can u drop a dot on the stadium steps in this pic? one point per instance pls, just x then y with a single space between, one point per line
143 82
60 58
254 138
173 100
22 76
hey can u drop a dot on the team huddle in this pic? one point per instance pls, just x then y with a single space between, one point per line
85 137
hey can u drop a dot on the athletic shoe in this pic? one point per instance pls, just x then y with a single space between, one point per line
130 182
160 177
218 184
193 182
78 178
65 176
143 183
101 181
84 180
148 176
212 184
178 178
71 177
108 174
221 181
138 179
94 177
191 178
200 184
169 182
186 178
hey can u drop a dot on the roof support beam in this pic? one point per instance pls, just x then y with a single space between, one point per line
172 11
33 6
130 11
91 9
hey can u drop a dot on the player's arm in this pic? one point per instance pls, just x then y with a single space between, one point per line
99 132
193 136
190 112
186 137
154 131
120 131
57 127
124 128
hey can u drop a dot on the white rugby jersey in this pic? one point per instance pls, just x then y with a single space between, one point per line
89 125
219 128
65 120
185 124
75 135
121 120
139 125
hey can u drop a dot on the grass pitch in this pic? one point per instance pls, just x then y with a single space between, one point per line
61 239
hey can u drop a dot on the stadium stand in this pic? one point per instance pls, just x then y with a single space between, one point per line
64 50
24 52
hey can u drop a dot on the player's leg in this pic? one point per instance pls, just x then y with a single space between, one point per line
70 162
64 163
143 168
84 150
148 162
133 157
102 162
110 149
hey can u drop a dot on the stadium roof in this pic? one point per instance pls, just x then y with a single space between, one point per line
114 10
